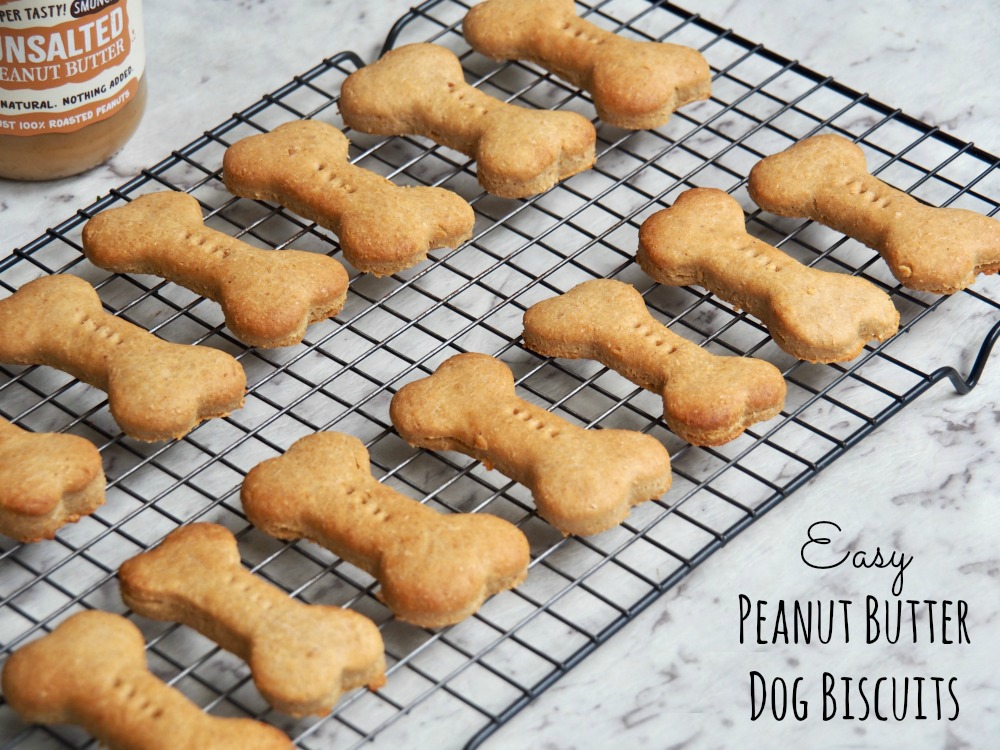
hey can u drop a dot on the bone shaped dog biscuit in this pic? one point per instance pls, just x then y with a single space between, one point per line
825 178
383 228
707 399
434 569
156 390
301 657
634 84
814 315
268 298
420 89
583 481
91 671
46 480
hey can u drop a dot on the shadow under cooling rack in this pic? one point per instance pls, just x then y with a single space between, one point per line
471 677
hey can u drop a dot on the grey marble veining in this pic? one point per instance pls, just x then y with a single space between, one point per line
922 485
930 59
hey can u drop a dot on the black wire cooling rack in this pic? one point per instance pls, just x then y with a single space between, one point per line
471 677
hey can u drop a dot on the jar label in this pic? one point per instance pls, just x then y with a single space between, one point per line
66 64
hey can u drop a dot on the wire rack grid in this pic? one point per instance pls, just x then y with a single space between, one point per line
472 677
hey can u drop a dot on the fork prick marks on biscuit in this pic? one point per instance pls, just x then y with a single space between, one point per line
302 657
91 671
814 315
634 84
420 89
582 481
825 178
383 228
434 569
707 399
46 480
156 390
268 297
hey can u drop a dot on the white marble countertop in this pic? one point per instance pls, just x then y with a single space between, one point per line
921 485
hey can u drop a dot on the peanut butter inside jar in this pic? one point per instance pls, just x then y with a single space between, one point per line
50 156
72 84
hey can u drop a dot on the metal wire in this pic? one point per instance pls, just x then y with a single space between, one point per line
580 591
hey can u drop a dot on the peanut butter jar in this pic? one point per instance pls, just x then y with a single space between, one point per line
72 84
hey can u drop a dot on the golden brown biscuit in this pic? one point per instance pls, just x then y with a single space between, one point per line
707 400
434 569
583 481
91 671
302 657
634 84
156 390
268 297
825 178
383 228
419 89
814 315
46 481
